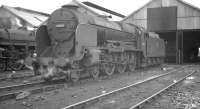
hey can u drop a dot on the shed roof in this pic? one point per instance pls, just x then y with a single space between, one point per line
181 1
33 18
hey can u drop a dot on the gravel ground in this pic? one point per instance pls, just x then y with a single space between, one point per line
71 94
128 98
18 77
11 82
184 96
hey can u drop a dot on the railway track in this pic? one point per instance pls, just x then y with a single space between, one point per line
8 75
123 97
19 77
11 88
140 104
10 92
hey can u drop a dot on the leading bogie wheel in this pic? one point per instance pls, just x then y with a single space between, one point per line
75 76
94 72
108 68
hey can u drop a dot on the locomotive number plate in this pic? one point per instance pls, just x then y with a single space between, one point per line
60 25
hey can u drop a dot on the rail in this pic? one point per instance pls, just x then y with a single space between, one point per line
117 90
139 105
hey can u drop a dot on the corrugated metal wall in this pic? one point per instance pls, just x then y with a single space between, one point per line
187 16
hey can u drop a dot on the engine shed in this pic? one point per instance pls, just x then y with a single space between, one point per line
20 24
177 22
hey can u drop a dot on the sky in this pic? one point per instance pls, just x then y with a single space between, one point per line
124 7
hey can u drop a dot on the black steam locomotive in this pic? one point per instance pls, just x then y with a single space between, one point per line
76 42
15 45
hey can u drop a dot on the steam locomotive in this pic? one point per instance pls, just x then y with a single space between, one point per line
14 47
76 42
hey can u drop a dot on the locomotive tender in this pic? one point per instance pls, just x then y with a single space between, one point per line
76 42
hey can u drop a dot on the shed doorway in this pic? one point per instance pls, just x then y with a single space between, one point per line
170 45
191 46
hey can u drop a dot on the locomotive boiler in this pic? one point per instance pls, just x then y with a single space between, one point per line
76 42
